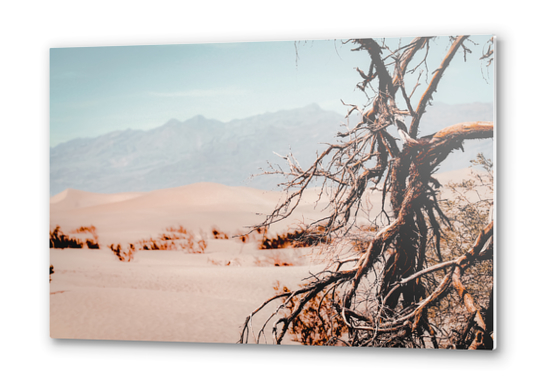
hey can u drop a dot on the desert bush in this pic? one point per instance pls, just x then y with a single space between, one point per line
91 243
225 263
219 235
175 238
238 235
255 235
51 271
57 239
122 255
244 238
468 211
298 239
275 259
318 322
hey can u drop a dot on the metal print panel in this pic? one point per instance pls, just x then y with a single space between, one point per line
325 193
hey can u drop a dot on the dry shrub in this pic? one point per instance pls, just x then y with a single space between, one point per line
238 235
318 322
225 263
276 259
175 238
127 255
368 228
244 237
57 239
297 239
91 243
363 237
219 235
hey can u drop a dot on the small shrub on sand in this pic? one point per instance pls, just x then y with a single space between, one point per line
297 239
91 243
256 235
318 322
225 263
276 259
57 239
219 235
175 238
242 237
51 271
127 255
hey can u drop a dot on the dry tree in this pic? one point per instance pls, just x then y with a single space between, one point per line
391 291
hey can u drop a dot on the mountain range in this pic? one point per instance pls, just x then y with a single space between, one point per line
199 149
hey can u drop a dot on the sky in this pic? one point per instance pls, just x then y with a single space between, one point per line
96 90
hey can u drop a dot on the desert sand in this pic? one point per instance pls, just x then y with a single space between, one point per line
172 295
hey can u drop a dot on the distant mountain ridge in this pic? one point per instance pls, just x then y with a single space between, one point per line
205 150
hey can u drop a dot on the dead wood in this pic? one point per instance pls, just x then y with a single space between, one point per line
393 289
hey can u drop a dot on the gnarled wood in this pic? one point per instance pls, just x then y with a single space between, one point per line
390 286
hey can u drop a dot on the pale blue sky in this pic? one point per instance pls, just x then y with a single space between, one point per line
101 89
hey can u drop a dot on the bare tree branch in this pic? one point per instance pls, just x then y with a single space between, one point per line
389 290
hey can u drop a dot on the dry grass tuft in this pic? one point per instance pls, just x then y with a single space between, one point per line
57 239
127 255
175 238
297 239
275 259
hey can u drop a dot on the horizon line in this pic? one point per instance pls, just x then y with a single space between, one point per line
226 122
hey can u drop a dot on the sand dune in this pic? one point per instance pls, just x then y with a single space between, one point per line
73 198
209 196
172 295
167 295
127 217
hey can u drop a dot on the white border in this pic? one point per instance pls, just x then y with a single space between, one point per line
29 29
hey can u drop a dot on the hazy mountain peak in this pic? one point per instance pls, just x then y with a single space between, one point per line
197 118
205 150
172 122
313 107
